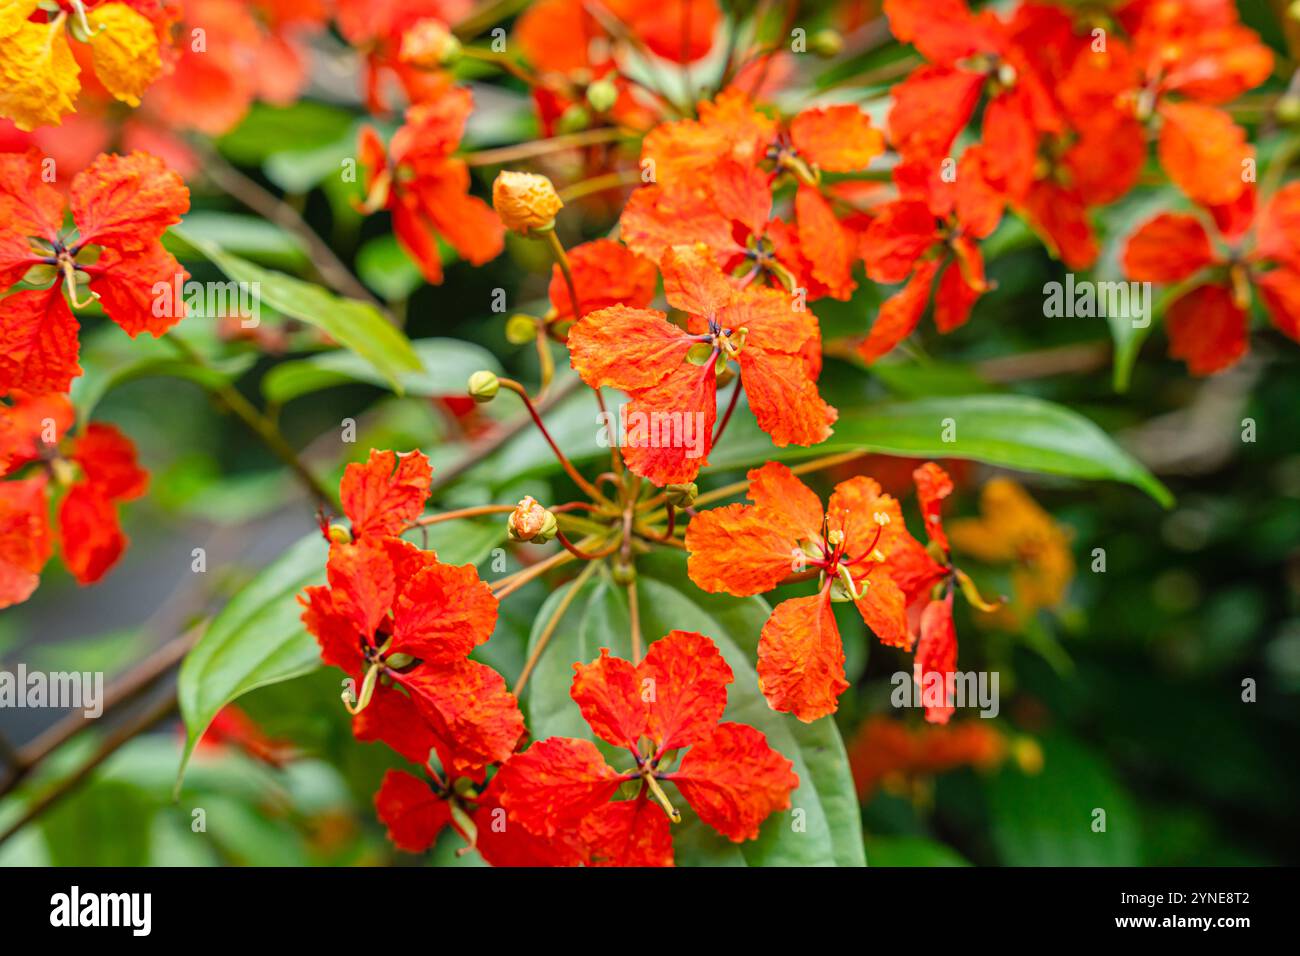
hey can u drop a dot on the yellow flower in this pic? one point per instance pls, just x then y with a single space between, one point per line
38 74
1014 529
525 201
124 49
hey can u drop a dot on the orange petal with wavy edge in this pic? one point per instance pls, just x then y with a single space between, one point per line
333 629
30 204
654 220
900 313
686 680
670 426
391 718
608 692
1278 233
628 833
936 659
932 486
1168 248
469 708
1202 150
743 194
127 202
960 286
884 609
826 244
38 342
784 398
24 538
362 583
801 658
126 287
386 493
26 425
839 139
91 537
410 810
553 784
930 108
626 348
1280 291
1206 330
693 282
107 458
896 238
442 613
503 841
1061 218
735 781
605 274
741 550
775 487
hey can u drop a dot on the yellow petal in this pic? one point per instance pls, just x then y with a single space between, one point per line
124 49
13 14
38 76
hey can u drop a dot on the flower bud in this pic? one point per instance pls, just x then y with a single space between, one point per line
682 496
521 329
483 386
531 522
339 535
429 44
602 95
826 43
1288 107
525 202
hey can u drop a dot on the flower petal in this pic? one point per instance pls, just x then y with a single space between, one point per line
801 658
734 780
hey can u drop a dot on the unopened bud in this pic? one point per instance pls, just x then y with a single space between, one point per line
521 329
531 522
682 496
623 571
1027 754
1288 108
483 386
826 43
525 201
429 44
339 534
602 95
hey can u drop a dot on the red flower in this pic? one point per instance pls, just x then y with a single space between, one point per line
605 274
927 237
121 206
386 494
94 470
863 551
1208 325
426 188
401 623
640 351
673 699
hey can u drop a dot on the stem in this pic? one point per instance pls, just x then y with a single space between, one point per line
502 60
513 582
634 616
598 184
726 416
426 520
552 625
259 424
591 490
577 552
541 147
562 260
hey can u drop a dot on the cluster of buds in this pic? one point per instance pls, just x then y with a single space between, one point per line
531 522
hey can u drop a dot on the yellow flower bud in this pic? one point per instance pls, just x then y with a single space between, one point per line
531 522
525 202
483 386
429 44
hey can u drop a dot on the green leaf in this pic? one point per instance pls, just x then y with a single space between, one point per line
446 366
386 268
1051 818
1014 431
357 326
111 358
829 832
911 851
257 639
246 236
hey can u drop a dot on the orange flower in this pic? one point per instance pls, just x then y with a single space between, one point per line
121 206
926 238
605 274
859 545
889 753
1208 325
730 775
94 471
641 352
427 189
